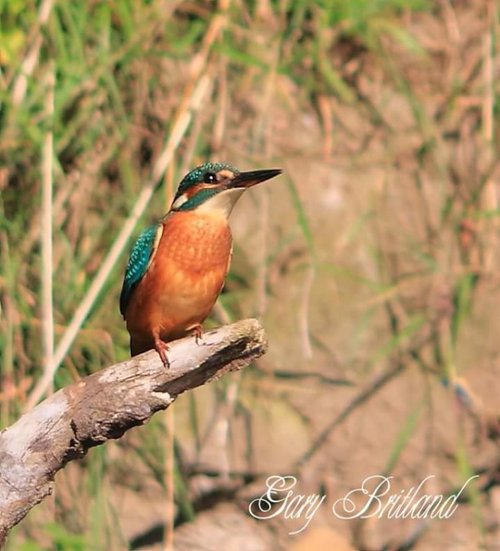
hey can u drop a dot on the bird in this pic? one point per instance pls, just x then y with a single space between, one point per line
177 267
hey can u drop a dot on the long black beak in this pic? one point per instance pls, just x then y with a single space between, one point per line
249 179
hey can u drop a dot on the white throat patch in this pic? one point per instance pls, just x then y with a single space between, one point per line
222 203
179 201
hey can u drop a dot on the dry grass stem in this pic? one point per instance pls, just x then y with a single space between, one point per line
46 229
30 61
304 314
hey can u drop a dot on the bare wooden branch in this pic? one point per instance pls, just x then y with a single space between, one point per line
107 404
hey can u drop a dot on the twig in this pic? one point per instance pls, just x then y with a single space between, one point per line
104 406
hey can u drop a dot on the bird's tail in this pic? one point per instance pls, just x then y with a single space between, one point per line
138 346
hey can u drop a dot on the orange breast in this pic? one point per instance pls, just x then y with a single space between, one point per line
184 279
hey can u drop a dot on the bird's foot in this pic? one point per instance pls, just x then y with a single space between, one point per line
162 347
197 332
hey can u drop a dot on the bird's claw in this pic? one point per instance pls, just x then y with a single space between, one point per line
161 347
197 331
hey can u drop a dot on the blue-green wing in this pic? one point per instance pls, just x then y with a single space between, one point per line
138 263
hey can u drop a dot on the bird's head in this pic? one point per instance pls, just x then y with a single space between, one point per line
215 187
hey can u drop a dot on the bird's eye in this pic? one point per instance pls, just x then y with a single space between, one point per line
210 178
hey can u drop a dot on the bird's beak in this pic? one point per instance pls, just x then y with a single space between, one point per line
249 179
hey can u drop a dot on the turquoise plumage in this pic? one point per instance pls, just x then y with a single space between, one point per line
138 263
198 174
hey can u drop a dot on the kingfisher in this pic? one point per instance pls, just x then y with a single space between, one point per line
177 267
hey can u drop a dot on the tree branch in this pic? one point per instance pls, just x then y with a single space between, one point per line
105 405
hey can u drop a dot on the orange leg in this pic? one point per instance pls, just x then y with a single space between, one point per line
161 347
197 331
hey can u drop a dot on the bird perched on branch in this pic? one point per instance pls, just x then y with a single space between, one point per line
177 267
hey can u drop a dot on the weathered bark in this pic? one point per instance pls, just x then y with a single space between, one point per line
105 405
